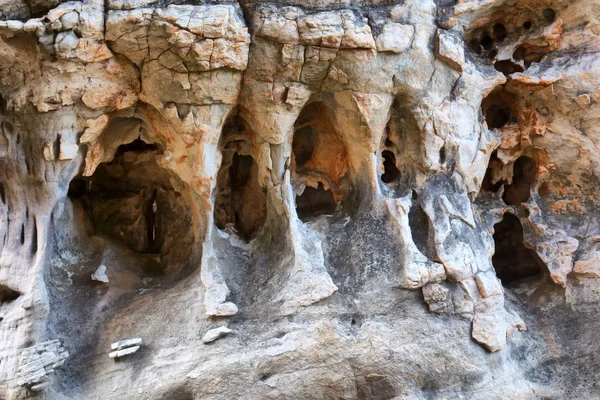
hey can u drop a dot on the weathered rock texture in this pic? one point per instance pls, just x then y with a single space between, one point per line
375 199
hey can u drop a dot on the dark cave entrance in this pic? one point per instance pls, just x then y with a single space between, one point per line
512 260
131 199
314 202
525 172
240 200
319 163
391 173
524 175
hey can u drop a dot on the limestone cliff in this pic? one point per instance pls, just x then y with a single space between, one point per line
299 199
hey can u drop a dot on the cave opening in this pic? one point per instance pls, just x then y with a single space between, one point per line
133 200
7 294
391 172
507 67
496 109
320 160
512 260
500 32
314 202
524 176
241 202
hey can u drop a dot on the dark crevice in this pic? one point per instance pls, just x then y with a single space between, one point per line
22 239
7 294
2 194
527 25
442 155
512 260
391 172
34 238
151 211
420 231
314 202
524 175
57 146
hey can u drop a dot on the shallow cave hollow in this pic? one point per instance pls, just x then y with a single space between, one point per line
315 202
132 199
391 173
512 260
496 109
7 294
524 176
319 154
240 200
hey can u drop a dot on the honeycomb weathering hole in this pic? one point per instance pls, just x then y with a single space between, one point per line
240 200
512 260
524 175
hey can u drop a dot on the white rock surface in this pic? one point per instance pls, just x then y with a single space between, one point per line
215 334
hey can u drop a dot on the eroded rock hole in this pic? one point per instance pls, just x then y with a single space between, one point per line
549 15
512 260
496 110
475 46
524 175
391 172
240 200
303 145
487 42
420 231
247 197
321 161
486 184
77 188
7 294
508 67
527 25
314 202
500 32
131 199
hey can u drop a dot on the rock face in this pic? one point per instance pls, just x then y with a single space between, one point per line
381 199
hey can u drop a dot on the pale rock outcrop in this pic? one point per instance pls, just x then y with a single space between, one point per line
374 196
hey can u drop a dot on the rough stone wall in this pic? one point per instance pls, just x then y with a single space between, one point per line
299 199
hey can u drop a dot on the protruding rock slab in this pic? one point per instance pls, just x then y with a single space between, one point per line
215 334
125 347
